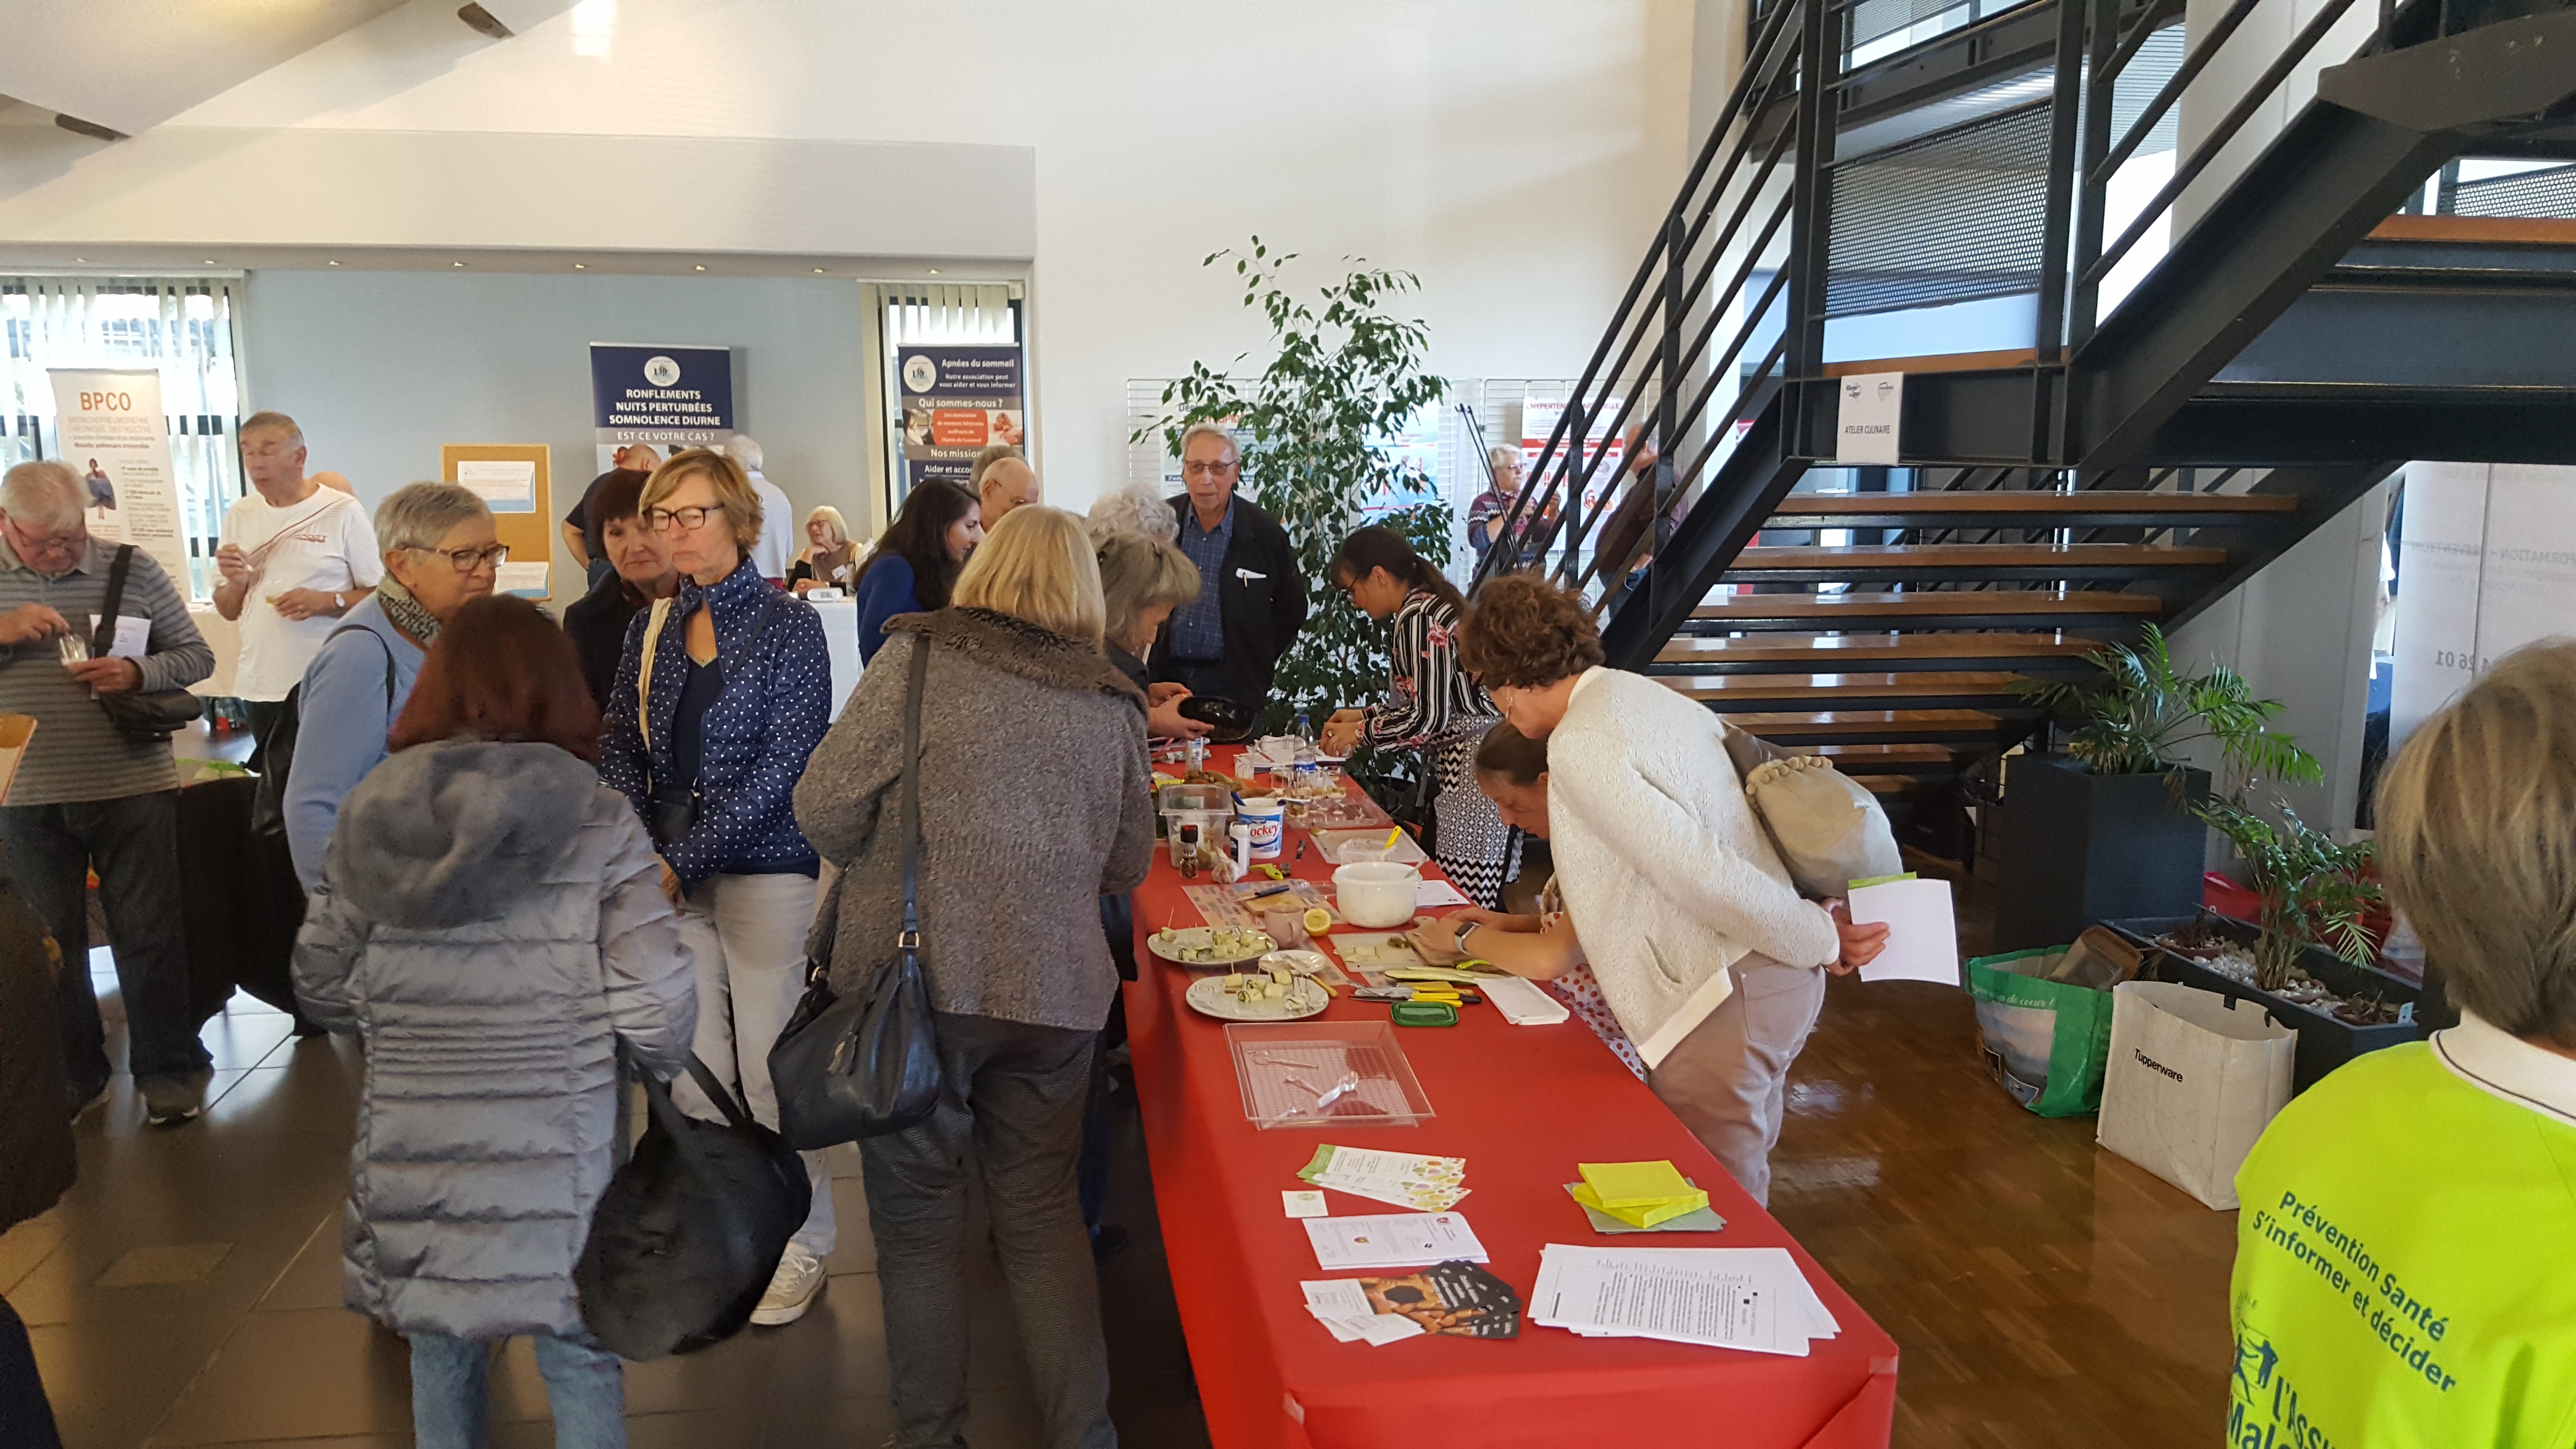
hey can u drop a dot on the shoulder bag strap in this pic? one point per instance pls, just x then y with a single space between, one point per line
910 941
644 671
103 638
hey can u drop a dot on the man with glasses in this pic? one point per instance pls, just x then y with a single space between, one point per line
295 558
88 797
440 552
1252 601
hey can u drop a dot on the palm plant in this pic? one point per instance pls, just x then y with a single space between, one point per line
2314 891
2141 712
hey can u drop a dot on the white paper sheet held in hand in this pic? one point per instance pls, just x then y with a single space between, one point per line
1393 1240
1922 933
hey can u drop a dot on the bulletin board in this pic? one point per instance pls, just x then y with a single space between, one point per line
514 478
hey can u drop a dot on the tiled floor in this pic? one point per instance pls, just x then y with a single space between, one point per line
187 1292
2044 1293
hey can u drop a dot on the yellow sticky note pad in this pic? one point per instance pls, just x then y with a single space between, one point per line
1635 1184
1643 1217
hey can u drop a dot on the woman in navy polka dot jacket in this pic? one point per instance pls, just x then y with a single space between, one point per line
735 686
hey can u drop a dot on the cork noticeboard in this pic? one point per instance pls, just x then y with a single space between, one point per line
514 478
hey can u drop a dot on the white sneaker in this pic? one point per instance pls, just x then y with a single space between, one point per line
791 1288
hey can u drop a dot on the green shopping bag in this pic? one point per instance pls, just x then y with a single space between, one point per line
2047 1039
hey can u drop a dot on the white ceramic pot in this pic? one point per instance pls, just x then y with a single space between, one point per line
1376 893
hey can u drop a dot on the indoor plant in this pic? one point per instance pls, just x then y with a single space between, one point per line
2107 830
2314 891
1313 424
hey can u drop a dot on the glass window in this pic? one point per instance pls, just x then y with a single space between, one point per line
182 326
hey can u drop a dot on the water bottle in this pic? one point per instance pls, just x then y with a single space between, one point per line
1305 734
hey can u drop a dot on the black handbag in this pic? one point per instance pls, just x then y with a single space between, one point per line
688 1233
144 716
864 1065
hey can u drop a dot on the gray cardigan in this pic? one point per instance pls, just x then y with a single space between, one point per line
491 921
1035 802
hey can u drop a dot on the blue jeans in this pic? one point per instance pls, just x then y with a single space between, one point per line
584 1385
134 843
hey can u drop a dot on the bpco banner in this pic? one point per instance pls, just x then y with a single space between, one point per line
957 401
109 428
669 397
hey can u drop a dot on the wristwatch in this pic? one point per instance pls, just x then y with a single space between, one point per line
1459 940
340 602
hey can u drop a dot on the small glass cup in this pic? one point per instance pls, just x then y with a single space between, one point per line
75 649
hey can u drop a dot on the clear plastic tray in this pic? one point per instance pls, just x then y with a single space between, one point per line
1284 1069
1344 812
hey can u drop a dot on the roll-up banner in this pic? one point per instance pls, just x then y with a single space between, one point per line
669 397
110 429
957 401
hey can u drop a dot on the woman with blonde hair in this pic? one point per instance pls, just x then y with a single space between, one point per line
1142 580
2402 1269
830 559
721 694
1011 866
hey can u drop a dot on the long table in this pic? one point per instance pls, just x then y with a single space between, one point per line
1522 1105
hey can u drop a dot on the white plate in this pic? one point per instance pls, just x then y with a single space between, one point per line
1204 938
1209 996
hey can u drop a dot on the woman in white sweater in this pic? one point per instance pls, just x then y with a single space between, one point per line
1702 946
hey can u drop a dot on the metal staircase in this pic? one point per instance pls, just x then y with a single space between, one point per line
2166 430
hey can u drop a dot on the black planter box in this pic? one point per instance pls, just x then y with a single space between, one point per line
2078 848
2325 1042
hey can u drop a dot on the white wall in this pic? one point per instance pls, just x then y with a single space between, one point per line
380 368
2299 631
1515 153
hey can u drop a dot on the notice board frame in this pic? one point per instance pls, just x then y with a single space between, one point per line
530 537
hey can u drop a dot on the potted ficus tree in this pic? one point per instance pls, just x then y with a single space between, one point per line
1318 422
2308 959
2108 829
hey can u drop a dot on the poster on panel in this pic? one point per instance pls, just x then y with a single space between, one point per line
670 398
110 430
958 400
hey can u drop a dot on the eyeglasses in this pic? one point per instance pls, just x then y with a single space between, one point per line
1208 470
689 519
467 560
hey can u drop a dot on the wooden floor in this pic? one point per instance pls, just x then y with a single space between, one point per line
2044 1293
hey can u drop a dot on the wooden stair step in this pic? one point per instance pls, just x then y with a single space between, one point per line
1887 784
1856 760
2010 508
1773 653
1927 609
1803 563
1796 729
1978 689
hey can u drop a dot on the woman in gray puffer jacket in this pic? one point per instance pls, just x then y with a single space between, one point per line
491 920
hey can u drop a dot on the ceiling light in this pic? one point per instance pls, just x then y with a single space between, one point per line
330 264
80 259
581 266
934 271
702 266
459 264
818 271
210 261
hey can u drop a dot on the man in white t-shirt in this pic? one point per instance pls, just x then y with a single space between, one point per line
295 556
779 524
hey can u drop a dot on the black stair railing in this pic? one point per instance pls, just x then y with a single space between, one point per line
1708 394
1752 203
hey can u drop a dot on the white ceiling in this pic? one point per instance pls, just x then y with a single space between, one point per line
129 65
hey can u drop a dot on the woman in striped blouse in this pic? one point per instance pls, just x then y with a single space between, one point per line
1431 706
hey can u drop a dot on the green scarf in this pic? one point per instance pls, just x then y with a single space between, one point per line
406 612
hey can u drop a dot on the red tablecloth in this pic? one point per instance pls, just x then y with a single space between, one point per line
1522 1105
